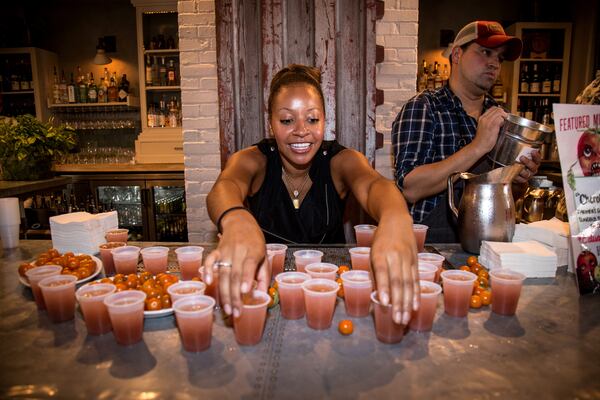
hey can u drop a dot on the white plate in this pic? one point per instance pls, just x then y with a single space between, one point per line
87 279
158 313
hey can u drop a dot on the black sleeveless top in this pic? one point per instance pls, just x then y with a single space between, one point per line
320 216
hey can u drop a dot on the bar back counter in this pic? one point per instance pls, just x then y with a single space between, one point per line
549 350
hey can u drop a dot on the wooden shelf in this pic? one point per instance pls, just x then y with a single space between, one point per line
162 51
163 88
17 92
132 102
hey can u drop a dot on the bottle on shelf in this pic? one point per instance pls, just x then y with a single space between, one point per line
162 72
162 112
547 80
524 79
173 118
25 82
556 79
92 90
55 90
15 84
430 78
498 90
102 91
82 87
528 109
62 88
113 91
123 88
152 117
171 42
546 119
422 79
155 76
445 75
171 74
148 71
72 91
535 83
437 77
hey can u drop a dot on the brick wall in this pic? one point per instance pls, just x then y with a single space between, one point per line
397 32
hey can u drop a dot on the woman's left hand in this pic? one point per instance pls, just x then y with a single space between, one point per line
531 166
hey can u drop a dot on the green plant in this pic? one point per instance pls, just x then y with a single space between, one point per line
28 146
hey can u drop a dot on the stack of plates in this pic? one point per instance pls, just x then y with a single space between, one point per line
553 233
530 258
81 232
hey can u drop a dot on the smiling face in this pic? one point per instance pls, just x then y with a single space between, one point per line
298 124
588 152
478 66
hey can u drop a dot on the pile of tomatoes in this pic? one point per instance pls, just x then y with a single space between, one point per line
155 287
80 266
482 294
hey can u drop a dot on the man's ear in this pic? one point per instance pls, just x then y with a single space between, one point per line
455 55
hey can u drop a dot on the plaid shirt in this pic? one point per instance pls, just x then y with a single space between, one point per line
430 127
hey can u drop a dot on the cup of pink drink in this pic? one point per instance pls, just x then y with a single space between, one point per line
506 290
126 259
357 292
458 287
435 259
35 275
126 312
59 296
211 290
91 301
305 257
427 271
155 259
107 258
322 270
422 319
186 288
360 258
279 251
194 315
189 259
291 295
364 234
117 235
320 296
420 232
386 330
248 327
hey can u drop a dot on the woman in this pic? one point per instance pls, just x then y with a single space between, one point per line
295 186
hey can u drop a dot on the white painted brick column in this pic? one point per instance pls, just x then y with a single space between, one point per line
200 112
397 74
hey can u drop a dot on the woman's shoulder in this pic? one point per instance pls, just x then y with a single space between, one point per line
250 157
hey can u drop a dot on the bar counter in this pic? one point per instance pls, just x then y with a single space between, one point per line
549 350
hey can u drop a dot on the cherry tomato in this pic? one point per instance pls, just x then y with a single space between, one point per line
486 297
483 282
274 295
471 260
165 301
475 268
340 291
119 278
24 267
153 304
276 285
342 269
483 274
106 280
465 268
346 327
121 286
476 301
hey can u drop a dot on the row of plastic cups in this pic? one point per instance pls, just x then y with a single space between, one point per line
365 233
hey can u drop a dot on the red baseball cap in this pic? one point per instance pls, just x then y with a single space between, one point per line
489 34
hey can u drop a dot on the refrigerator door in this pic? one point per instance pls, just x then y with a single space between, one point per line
127 201
169 222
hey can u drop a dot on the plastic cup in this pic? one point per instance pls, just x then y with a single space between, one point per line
279 251
9 234
458 287
386 330
435 259
189 259
155 259
506 289
305 257
427 271
212 290
117 235
126 311
91 301
194 315
248 327
422 319
364 234
420 232
126 259
186 288
357 292
107 257
321 270
360 258
319 300
10 211
35 275
59 296
291 295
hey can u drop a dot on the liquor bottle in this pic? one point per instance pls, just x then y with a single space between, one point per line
162 72
24 82
524 79
173 118
545 112
123 88
55 90
445 75
15 84
102 88
437 77
528 109
547 80
519 107
155 77
62 88
535 83
498 90
556 79
430 78
92 90
422 79
82 88
72 91
148 71
113 92
171 75
162 112
152 117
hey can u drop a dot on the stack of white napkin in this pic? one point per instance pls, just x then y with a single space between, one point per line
553 233
81 232
531 258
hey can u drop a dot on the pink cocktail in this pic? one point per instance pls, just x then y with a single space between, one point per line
364 234
319 300
126 259
212 290
189 259
194 316
420 232
59 296
107 258
305 257
186 288
435 259
117 235
458 287
357 292
91 301
506 290
427 271
279 251
322 270
360 257
35 275
386 330
291 296
422 319
126 311
248 327
155 259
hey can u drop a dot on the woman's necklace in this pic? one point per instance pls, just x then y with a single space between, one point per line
295 193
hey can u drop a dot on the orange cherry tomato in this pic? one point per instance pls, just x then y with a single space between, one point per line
486 297
475 268
276 285
476 301
471 260
478 290
484 274
465 268
121 286
165 301
119 278
153 304
106 280
24 267
346 327
273 295
483 282
340 291
342 269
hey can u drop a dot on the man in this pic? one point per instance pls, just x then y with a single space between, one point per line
451 129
